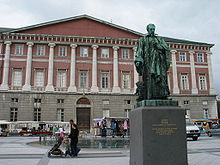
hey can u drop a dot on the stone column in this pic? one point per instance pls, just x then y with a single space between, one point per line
72 87
175 80
27 85
136 76
116 88
94 87
1 48
4 85
49 86
209 60
193 73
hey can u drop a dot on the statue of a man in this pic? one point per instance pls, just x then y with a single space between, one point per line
152 61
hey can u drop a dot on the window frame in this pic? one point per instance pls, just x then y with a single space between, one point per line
184 81
83 79
82 52
19 49
13 114
124 81
36 78
103 55
125 53
62 53
37 112
40 52
106 83
60 114
202 82
61 78
17 83
182 57
200 58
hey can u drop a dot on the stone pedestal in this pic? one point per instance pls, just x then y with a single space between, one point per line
158 133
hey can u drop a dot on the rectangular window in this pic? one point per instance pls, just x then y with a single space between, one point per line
106 113
186 102
105 101
41 50
83 79
13 114
127 112
59 101
187 113
105 53
200 57
206 113
126 81
17 78
61 79
39 79
202 83
127 101
19 49
60 114
184 82
62 51
14 100
182 56
105 80
37 114
84 52
204 102
125 53
37 100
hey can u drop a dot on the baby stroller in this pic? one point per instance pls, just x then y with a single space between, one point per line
55 151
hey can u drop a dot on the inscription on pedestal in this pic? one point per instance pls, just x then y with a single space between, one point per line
164 128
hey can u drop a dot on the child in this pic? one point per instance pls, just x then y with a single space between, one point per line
66 145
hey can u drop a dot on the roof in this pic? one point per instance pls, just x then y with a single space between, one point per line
167 39
4 29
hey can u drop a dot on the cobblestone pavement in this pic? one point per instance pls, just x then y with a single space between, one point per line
15 150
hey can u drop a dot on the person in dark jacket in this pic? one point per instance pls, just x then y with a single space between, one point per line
74 133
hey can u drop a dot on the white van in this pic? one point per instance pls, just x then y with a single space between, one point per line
192 131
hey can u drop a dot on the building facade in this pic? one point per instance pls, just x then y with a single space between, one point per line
82 68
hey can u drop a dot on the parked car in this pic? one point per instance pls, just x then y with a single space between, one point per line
192 131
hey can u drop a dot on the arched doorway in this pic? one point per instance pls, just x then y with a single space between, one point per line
83 114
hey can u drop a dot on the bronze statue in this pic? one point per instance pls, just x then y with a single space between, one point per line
152 61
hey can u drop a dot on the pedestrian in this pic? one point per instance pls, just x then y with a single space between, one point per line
74 133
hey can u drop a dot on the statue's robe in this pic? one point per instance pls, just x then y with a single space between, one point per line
152 61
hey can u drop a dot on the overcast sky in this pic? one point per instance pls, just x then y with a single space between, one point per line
196 20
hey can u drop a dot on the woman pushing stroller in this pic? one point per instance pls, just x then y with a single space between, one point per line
74 133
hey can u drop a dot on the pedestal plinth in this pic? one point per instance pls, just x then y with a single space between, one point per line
158 133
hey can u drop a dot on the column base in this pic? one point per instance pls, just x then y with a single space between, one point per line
26 88
116 90
4 87
212 91
194 91
49 88
176 91
72 89
94 89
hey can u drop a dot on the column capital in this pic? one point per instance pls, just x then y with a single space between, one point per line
73 46
209 53
51 45
173 51
7 42
30 43
191 52
95 46
115 48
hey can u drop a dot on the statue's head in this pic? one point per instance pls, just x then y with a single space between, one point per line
151 29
